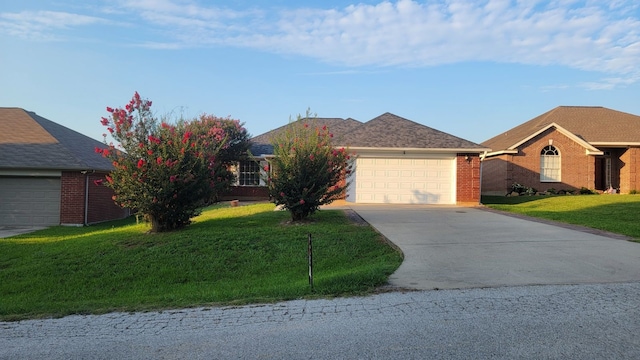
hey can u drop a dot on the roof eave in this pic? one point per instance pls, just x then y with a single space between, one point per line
560 129
439 150
614 143
501 152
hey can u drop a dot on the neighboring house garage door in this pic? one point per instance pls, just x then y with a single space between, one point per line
405 181
29 201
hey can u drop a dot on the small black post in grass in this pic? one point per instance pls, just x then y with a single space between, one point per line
310 256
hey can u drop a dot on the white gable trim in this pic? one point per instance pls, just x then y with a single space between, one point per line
501 152
590 149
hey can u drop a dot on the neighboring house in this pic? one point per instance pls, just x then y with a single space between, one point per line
47 174
567 148
398 161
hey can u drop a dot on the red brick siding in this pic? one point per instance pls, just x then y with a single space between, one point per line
468 178
254 193
72 198
246 193
101 205
577 168
496 180
629 163
72 202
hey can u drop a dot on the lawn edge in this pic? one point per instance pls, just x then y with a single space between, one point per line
581 228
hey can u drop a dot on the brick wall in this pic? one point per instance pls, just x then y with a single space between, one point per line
468 178
496 180
629 162
72 203
101 205
72 184
577 168
246 193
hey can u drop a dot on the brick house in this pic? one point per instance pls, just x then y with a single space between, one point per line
47 174
398 161
566 148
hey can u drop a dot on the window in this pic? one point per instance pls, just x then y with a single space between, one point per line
249 173
550 164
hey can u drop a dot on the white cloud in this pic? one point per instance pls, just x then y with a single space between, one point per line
589 35
38 25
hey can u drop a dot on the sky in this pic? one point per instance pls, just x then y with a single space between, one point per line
470 68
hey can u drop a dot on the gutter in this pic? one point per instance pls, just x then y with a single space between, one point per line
443 150
481 167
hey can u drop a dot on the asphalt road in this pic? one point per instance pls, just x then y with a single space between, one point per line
534 322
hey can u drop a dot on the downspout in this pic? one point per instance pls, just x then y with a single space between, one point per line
86 197
482 157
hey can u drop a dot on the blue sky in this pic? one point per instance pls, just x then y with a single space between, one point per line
469 68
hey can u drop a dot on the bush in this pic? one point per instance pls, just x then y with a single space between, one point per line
584 191
166 172
306 171
515 187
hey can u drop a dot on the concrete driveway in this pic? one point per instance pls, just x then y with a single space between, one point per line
448 247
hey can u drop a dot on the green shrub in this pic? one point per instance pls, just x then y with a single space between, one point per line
307 171
584 191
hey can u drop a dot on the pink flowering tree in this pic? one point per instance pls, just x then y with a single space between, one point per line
165 172
235 147
307 171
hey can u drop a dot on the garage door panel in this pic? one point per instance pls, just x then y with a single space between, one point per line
405 181
29 201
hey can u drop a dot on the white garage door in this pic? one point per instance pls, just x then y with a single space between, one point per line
405 181
29 201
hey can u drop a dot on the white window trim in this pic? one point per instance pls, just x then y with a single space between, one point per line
236 168
546 159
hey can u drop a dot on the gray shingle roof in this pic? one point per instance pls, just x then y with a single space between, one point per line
392 131
29 141
594 124
385 131
261 144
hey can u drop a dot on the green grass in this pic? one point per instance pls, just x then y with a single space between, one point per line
227 256
614 213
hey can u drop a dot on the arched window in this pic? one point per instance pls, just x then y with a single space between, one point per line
549 164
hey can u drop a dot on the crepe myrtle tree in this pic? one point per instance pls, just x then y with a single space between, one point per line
306 170
235 148
165 172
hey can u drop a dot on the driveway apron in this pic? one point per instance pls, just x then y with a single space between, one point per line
447 247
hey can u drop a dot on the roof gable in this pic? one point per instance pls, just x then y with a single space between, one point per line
590 149
392 131
594 125
261 144
29 141
386 131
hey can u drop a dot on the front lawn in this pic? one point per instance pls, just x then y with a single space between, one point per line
614 213
228 256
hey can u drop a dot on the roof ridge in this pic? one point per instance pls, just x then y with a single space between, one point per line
580 106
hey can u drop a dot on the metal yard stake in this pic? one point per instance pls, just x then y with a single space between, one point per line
310 256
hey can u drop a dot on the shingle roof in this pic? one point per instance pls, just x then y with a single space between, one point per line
594 124
392 131
261 144
385 131
29 141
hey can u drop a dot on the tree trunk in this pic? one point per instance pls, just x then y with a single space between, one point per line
155 224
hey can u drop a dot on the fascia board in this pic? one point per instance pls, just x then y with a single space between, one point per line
560 129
